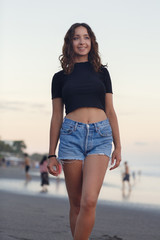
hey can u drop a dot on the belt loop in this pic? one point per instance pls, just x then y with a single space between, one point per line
95 125
75 126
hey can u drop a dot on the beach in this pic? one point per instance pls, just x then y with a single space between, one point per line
38 217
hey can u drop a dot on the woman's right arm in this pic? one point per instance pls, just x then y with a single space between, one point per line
56 122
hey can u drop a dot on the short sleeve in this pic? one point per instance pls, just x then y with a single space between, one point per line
56 88
107 80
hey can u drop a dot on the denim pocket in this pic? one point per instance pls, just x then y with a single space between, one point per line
67 129
105 130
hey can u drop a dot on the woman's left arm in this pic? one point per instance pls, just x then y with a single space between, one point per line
111 115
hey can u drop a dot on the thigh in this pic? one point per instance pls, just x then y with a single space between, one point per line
94 170
73 178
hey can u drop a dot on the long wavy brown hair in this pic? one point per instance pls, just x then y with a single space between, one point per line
67 56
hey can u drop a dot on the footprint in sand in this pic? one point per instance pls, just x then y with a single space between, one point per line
107 237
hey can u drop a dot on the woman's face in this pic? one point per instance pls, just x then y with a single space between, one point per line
81 44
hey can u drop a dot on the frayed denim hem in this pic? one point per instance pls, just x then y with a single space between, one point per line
68 160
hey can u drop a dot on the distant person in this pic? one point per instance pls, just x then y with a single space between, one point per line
126 178
27 166
88 129
2 161
139 174
134 177
44 174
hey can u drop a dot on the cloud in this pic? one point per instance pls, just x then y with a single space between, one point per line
8 106
37 105
12 105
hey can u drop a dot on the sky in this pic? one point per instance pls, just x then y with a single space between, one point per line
32 34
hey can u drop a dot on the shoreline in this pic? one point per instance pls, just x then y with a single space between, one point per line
41 218
127 205
12 179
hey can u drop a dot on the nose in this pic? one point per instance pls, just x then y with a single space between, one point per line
82 41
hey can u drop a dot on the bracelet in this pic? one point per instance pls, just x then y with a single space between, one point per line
52 156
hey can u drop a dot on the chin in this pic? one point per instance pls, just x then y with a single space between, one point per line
83 54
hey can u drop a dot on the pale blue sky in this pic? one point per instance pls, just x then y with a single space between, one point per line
128 34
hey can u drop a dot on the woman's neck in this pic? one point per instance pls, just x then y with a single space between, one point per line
79 59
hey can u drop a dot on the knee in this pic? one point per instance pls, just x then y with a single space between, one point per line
75 206
88 204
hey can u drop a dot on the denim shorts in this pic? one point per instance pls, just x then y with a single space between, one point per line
78 140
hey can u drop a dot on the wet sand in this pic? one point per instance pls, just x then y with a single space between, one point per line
39 217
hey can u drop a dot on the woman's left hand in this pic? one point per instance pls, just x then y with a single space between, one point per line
116 158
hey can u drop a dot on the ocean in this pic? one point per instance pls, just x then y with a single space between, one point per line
144 179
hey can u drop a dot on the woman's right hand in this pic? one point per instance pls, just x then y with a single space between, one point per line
53 166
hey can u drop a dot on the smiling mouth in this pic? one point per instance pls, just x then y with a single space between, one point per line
81 48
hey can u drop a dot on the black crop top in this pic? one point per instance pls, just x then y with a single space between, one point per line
82 88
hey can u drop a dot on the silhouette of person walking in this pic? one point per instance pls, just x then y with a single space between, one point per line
126 178
27 166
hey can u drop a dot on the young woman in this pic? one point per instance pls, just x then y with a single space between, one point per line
88 129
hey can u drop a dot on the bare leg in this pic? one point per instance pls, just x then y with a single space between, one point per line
93 174
123 188
28 177
73 179
129 186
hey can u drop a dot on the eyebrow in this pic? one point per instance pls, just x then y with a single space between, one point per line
79 35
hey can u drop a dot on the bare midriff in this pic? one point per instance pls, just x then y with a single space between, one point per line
87 115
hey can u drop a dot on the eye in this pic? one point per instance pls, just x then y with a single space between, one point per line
86 37
75 38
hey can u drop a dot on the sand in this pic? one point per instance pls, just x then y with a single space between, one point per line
40 217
